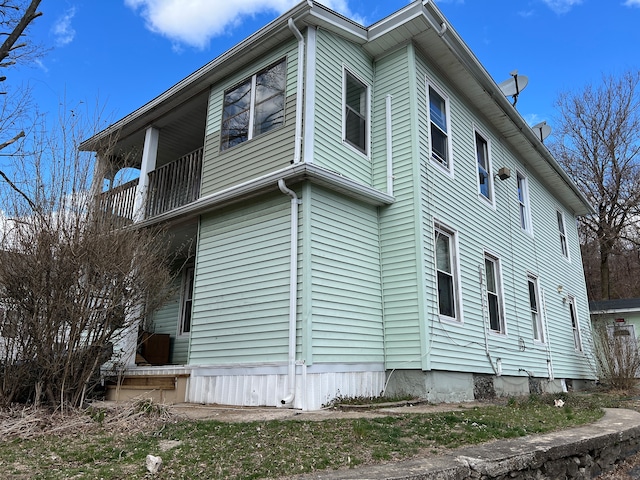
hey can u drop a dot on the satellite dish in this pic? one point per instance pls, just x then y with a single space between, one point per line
514 85
542 130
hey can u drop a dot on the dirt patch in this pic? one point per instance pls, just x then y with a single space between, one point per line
225 413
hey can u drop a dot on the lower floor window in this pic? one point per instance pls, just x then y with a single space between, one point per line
575 326
534 306
187 301
494 294
446 273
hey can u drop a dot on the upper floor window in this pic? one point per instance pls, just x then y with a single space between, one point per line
575 326
563 235
255 106
356 111
446 272
534 307
523 200
494 294
439 129
485 181
187 301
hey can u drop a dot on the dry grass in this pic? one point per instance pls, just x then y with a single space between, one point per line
111 442
28 423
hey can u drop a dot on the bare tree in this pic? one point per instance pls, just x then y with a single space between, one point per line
598 143
15 17
70 283
617 355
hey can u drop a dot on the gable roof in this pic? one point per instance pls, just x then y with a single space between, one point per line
420 23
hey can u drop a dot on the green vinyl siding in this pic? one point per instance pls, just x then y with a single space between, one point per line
345 280
481 227
241 292
165 320
263 154
399 237
330 152
556 270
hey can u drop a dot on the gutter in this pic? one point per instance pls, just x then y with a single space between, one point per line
302 171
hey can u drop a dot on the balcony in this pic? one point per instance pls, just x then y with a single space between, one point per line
170 186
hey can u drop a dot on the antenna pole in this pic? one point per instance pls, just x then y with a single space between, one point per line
515 96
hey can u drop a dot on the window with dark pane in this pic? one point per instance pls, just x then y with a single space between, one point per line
482 156
439 128
254 107
355 113
494 301
445 274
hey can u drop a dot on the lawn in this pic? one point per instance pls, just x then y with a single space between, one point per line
106 444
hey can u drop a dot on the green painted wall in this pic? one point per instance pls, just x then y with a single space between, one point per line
495 228
265 153
367 289
400 237
241 294
330 151
165 320
346 294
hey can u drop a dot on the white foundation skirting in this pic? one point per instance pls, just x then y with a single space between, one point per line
314 389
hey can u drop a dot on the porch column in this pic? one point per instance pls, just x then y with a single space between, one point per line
149 154
98 176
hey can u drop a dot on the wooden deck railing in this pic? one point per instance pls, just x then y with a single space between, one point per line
117 204
170 186
174 184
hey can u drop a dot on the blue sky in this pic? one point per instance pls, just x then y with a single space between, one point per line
119 54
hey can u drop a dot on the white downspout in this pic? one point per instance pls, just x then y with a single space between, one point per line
299 91
293 295
389 146
547 339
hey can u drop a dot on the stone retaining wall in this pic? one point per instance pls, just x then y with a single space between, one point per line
553 457
578 453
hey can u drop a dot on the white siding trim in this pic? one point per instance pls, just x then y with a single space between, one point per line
265 385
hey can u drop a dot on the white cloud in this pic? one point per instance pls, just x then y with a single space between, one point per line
562 6
195 22
62 29
526 13
632 3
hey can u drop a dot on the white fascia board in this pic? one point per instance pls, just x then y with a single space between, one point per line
615 311
390 23
292 175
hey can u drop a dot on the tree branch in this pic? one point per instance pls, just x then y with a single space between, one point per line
29 15
20 192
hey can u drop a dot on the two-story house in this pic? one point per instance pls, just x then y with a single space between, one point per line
369 214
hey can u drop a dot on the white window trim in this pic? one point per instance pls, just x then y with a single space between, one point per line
367 142
457 289
190 270
563 235
527 203
542 340
501 305
575 332
450 170
492 194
